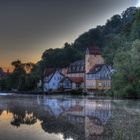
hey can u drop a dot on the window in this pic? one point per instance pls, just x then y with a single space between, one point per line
82 68
100 84
78 68
77 86
89 76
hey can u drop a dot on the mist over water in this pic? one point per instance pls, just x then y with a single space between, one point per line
66 117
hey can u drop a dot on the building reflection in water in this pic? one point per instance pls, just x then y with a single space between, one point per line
72 117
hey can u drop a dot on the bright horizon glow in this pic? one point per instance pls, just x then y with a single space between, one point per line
138 3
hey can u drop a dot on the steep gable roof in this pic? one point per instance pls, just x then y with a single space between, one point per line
51 76
96 68
65 78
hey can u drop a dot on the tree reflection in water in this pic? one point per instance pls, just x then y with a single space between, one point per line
74 118
27 118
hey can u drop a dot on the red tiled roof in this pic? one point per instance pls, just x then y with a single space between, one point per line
94 50
77 80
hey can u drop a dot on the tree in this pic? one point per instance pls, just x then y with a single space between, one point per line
23 77
60 57
114 25
1 70
126 80
135 29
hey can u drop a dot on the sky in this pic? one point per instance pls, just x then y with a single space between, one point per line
29 27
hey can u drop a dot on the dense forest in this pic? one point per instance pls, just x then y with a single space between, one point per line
119 40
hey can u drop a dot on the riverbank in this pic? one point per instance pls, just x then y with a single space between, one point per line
68 92
101 94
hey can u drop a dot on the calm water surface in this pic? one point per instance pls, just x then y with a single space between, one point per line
26 117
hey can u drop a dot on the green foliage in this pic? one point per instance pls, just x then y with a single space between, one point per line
113 44
60 57
90 38
23 77
126 80
135 29
114 25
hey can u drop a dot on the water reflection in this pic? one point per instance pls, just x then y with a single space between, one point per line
75 117
59 117
72 117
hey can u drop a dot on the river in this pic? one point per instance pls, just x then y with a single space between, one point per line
38 117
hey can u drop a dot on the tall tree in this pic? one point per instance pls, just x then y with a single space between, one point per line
126 80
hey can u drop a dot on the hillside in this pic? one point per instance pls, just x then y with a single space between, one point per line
110 37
